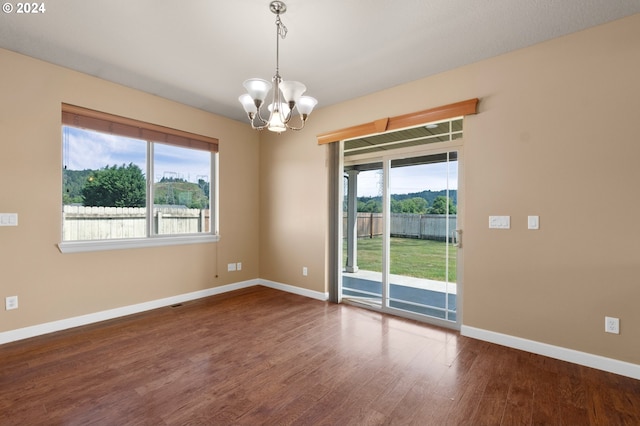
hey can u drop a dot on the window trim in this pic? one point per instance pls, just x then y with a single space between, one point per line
84 118
118 244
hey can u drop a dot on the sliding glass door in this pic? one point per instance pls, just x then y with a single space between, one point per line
423 223
400 234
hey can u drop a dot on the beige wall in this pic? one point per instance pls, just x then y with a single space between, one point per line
556 136
53 286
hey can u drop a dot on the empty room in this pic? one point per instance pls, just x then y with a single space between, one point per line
361 212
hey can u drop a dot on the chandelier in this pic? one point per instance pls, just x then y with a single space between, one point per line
286 96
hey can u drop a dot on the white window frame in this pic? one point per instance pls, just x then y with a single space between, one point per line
151 240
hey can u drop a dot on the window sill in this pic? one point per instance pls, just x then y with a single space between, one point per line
86 246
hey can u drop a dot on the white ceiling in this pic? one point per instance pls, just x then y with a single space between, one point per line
199 52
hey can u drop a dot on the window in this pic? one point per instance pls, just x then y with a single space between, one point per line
133 184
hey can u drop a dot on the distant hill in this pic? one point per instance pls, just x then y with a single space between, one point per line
427 195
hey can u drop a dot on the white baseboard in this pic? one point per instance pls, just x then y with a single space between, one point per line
295 290
581 358
50 327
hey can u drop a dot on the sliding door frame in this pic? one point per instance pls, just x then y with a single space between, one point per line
335 252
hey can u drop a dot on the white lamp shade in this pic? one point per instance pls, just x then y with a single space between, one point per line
292 90
257 88
248 104
276 123
306 104
284 109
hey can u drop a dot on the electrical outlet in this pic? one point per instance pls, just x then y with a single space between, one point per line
231 267
305 271
11 302
8 219
612 325
239 266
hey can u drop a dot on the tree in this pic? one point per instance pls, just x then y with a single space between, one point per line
396 206
204 185
415 205
116 186
371 206
73 182
440 206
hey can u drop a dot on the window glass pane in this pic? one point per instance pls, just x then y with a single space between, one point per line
181 196
423 221
363 242
104 186
443 131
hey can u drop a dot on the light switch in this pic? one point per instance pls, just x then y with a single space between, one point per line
499 222
533 222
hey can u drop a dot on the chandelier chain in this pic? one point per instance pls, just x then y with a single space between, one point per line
282 30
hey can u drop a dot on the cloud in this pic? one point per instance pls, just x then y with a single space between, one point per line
85 149
410 179
184 163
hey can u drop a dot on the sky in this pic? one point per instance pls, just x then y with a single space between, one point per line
84 149
410 179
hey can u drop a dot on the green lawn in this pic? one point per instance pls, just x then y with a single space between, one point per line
410 257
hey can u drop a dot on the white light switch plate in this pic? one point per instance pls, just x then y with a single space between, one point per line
533 222
499 222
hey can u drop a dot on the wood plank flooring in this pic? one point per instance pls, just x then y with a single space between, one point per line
260 356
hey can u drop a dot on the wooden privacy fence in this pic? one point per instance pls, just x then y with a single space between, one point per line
100 223
407 225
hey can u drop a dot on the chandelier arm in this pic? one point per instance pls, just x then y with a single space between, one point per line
254 127
259 116
285 118
252 117
303 121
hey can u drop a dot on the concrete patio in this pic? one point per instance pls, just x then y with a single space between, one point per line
417 295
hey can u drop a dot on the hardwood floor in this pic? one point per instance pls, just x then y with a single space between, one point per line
260 356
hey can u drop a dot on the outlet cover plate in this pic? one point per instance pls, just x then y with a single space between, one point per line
8 219
499 222
612 325
11 302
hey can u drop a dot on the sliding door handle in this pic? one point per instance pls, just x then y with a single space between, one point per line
457 238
